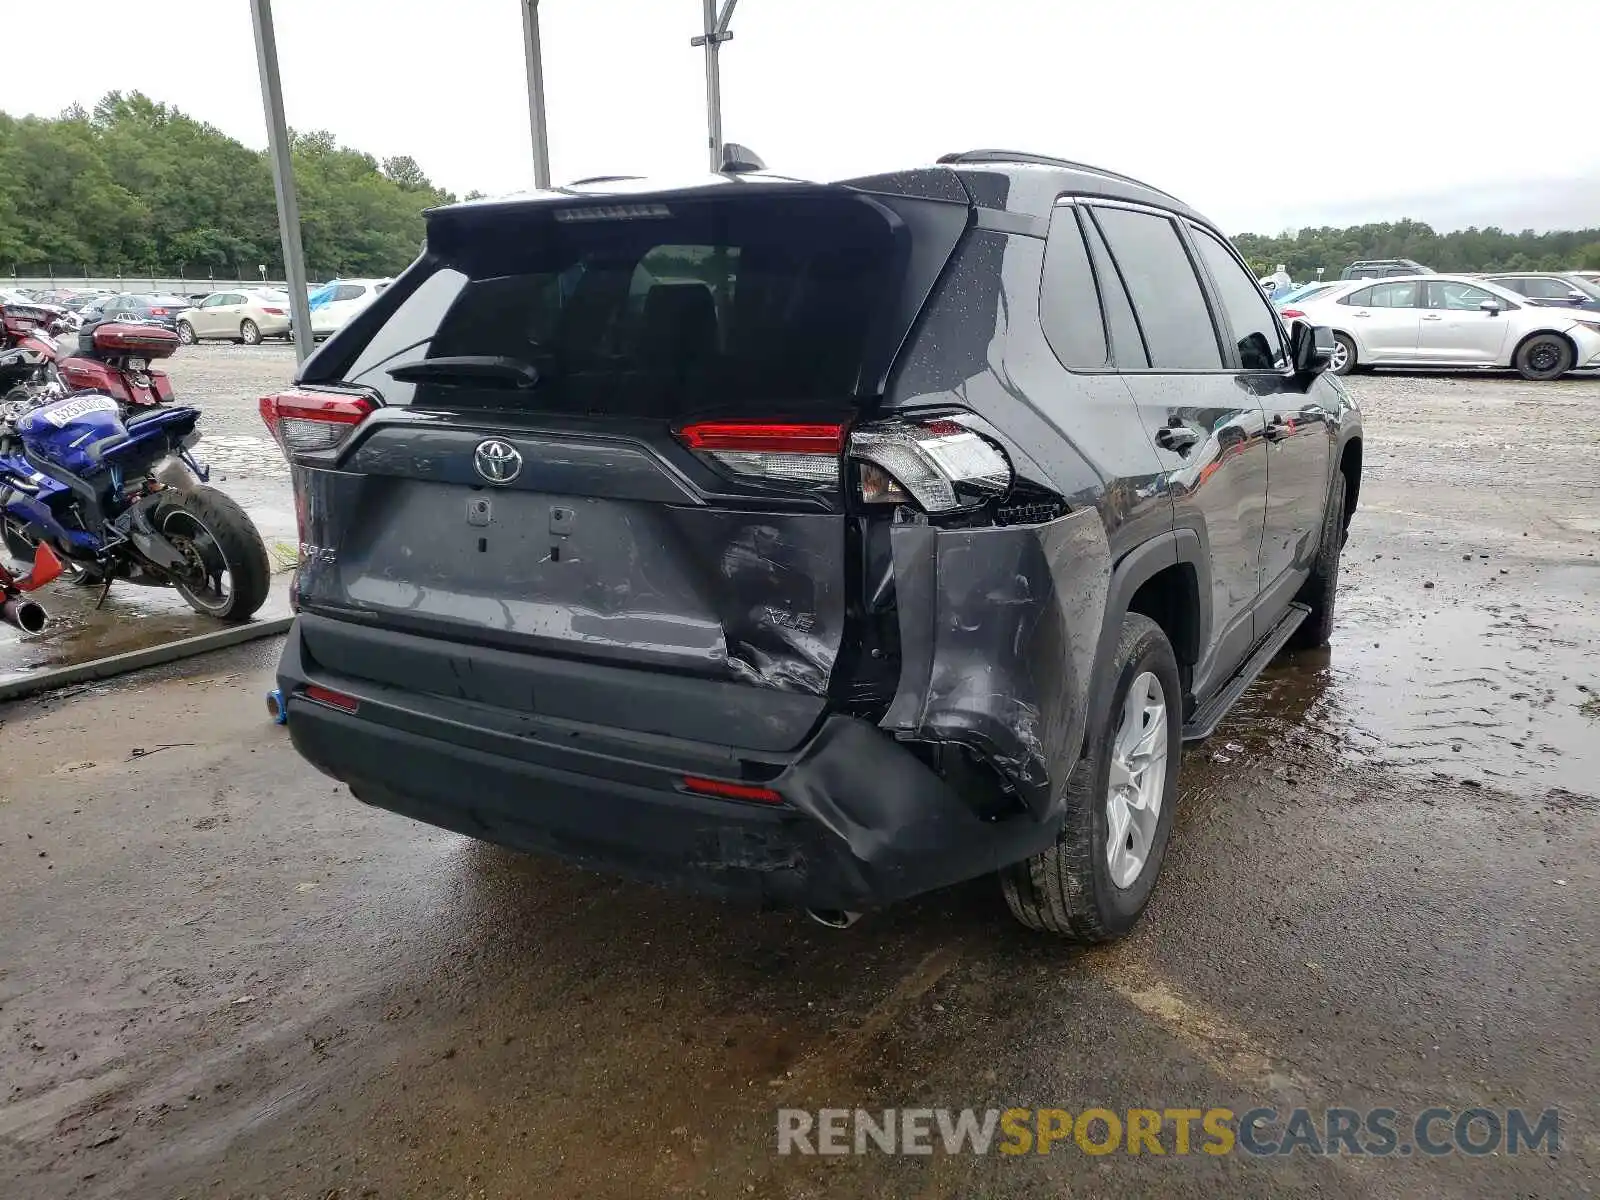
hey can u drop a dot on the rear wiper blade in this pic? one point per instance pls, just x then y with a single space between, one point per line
467 369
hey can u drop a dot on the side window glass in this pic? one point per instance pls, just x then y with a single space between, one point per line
1127 342
1394 295
1069 303
1254 326
1164 289
1360 298
1457 297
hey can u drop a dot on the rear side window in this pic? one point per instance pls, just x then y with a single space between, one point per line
1127 343
1250 316
705 304
349 291
1392 295
1165 291
1069 302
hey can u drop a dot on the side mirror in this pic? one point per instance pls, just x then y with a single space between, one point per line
1576 297
1492 307
1311 346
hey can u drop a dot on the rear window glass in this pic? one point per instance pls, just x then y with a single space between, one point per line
647 309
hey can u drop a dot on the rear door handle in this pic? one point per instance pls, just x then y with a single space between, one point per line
1433 317
1178 438
1363 314
1276 431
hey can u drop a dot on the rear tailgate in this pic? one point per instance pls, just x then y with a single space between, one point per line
635 460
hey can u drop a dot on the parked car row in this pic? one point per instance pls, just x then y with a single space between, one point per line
239 314
1434 320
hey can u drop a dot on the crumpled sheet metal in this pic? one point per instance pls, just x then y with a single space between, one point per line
998 629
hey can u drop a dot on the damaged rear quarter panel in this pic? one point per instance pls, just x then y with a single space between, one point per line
998 629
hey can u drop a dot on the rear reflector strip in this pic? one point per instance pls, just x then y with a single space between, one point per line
321 695
730 791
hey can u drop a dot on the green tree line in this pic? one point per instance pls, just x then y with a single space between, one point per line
1303 251
137 186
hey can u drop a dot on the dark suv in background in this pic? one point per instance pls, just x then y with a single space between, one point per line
814 543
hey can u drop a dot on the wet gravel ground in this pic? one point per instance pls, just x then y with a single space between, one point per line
220 976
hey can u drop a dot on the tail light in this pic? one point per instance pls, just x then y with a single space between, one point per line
305 421
272 312
1290 314
774 451
940 465
158 312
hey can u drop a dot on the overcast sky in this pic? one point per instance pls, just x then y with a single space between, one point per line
1265 114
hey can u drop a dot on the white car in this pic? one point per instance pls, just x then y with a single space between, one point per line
1449 321
241 315
337 301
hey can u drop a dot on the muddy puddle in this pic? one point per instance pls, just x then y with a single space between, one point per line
1484 681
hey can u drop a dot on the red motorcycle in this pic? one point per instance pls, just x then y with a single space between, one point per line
27 351
114 357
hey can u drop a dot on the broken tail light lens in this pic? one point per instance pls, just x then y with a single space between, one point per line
304 421
806 453
941 465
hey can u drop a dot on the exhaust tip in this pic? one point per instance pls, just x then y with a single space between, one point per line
26 615
276 709
833 918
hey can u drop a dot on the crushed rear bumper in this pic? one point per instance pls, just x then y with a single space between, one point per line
864 821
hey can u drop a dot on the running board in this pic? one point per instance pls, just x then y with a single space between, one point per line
1209 715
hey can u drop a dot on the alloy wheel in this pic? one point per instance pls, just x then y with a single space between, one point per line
1138 777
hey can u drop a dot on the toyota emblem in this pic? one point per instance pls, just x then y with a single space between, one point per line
497 461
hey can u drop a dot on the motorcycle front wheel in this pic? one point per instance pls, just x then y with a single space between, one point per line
228 573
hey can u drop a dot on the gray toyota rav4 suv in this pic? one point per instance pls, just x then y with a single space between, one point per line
813 543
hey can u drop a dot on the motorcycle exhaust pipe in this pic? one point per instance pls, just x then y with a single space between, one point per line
27 615
833 918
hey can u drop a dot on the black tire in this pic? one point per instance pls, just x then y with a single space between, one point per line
1067 889
1544 356
186 333
249 332
1348 364
233 534
1322 586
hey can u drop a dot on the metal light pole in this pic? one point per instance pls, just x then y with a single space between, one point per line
716 33
294 263
530 48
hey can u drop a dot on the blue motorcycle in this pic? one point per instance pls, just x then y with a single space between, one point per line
79 476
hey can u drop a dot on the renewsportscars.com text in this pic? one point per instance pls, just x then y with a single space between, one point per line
1262 1132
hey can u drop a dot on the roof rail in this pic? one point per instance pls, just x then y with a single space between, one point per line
1044 160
